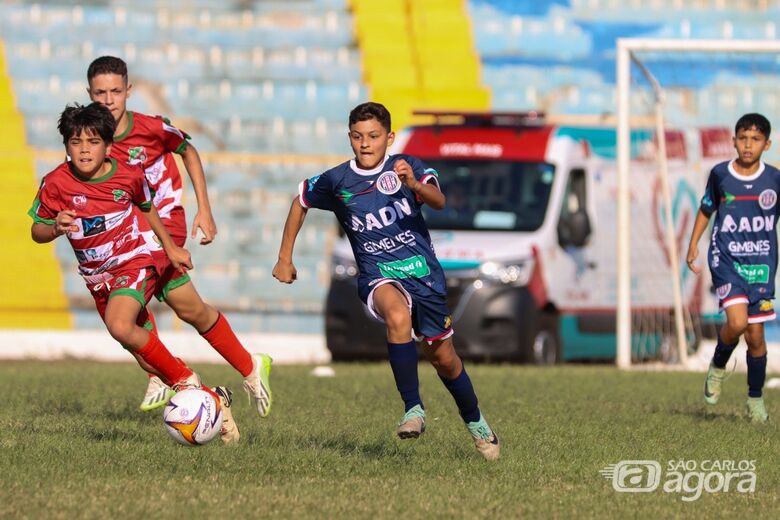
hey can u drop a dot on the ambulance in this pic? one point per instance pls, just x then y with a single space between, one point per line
528 237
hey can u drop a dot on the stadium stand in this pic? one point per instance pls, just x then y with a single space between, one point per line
30 282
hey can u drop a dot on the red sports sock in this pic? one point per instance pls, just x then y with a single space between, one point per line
158 356
224 340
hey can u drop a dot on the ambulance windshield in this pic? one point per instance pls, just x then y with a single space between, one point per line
491 195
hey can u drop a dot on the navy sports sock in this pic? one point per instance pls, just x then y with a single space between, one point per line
756 374
463 393
403 361
722 353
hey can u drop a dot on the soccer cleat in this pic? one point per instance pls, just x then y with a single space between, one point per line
485 439
229 432
258 385
192 381
412 424
713 384
157 395
756 410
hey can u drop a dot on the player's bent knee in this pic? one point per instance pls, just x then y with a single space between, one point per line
120 330
399 321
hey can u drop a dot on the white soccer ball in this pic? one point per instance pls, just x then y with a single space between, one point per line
193 417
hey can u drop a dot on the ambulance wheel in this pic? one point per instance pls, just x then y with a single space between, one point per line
546 347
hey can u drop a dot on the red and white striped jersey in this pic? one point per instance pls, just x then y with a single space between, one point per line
108 218
151 141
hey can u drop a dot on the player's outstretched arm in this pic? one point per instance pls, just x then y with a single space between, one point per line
179 257
284 270
428 193
64 222
204 220
693 248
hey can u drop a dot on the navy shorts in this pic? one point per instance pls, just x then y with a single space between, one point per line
760 307
431 319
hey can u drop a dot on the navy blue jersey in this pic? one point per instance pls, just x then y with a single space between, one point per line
383 222
743 249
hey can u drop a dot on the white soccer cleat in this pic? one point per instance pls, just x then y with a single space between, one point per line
229 433
257 384
157 395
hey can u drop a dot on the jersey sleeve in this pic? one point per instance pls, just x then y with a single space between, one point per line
142 195
46 205
317 192
173 139
424 174
709 201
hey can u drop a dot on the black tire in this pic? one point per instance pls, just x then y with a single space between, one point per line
546 346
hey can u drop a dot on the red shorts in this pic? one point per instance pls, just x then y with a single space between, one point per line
170 278
138 283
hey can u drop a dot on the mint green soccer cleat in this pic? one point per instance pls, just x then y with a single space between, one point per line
713 384
485 439
258 385
756 410
412 424
157 395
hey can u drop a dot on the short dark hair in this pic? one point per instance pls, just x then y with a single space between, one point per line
93 118
752 120
370 110
107 65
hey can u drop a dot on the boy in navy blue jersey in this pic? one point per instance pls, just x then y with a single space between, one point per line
377 198
742 255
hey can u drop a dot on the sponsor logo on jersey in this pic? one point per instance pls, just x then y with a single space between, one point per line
313 181
120 196
79 201
767 199
93 225
388 183
412 267
390 244
754 224
723 290
382 217
122 281
136 155
750 248
758 273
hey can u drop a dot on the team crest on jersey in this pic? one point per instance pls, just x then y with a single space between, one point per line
767 199
765 305
79 201
447 322
723 290
120 195
388 183
122 281
136 155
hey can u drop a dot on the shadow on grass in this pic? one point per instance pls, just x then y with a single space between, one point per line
373 449
709 415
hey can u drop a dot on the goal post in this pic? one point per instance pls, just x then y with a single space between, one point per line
629 54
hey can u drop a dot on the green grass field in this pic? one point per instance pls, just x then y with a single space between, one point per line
73 445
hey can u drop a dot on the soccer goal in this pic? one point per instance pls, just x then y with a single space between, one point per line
677 102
